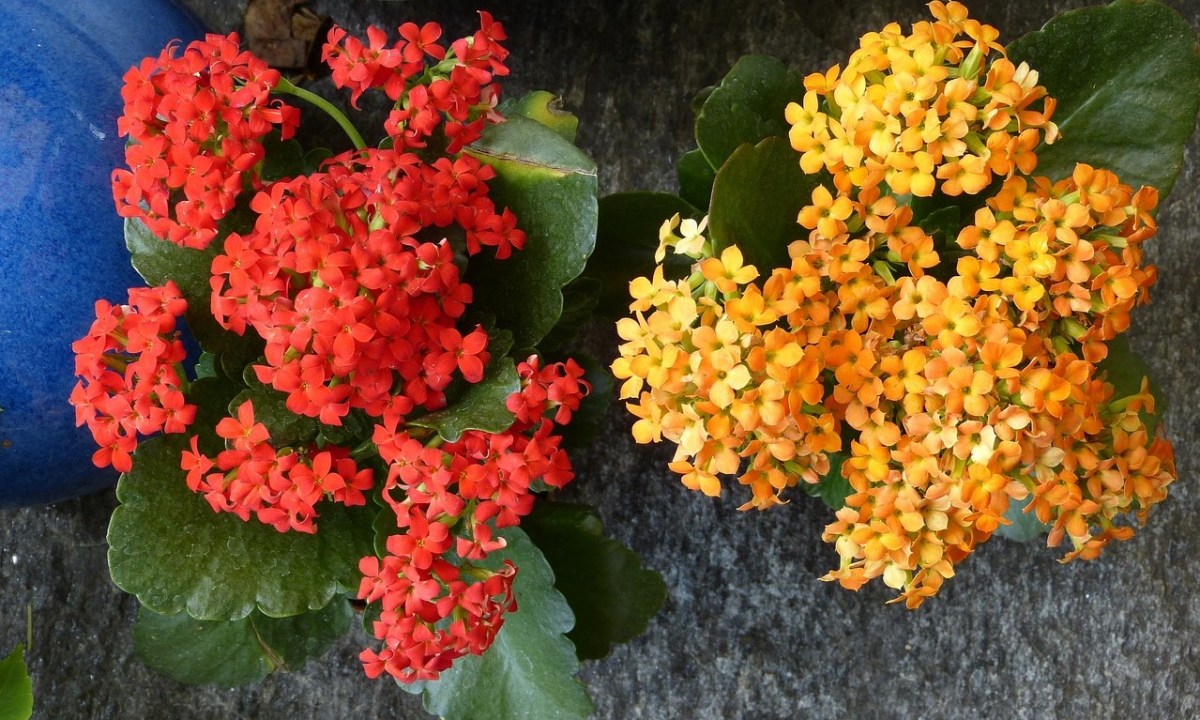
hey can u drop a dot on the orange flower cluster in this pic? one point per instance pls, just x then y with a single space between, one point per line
952 374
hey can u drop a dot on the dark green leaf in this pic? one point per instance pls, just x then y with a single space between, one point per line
1023 526
612 595
270 408
1124 370
551 187
284 158
546 108
356 427
206 366
314 158
528 673
943 224
168 547
159 260
16 689
580 298
625 243
833 488
235 652
746 107
695 178
481 407
1127 80
756 197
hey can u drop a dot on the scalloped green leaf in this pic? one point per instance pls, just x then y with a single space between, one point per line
235 652
746 107
626 239
159 260
612 595
16 688
1127 80
551 187
529 671
168 547
546 108
756 197
481 406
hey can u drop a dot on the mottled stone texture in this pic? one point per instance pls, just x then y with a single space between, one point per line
748 630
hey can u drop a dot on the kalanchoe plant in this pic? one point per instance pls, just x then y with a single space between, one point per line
355 434
901 285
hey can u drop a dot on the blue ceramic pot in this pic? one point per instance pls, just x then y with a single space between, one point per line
61 243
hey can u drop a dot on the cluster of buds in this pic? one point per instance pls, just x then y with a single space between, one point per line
131 379
961 370
449 500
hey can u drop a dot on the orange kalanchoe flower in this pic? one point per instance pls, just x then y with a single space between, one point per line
961 369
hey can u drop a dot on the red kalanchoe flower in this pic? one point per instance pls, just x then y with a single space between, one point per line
130 379
457 496
196 123
457 93
281 487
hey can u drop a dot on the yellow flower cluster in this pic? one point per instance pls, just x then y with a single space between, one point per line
960 371
910 110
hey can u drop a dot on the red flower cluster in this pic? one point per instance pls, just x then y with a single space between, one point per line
357 308
197 122
281 487
452 498
458 90
131 382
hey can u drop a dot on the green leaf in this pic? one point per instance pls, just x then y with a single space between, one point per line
235 652
1023 526
481 407
746 107
612 595
546 108
943 224
528 673
284 159
1127 80
695 178
16 689
833 488
580 298
1124 370
159 260
626 239
314 158
270 408
551 187
756 197
168 547
356 428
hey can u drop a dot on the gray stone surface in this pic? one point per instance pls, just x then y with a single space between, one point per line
748 630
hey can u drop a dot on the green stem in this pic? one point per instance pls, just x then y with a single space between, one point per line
288 88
